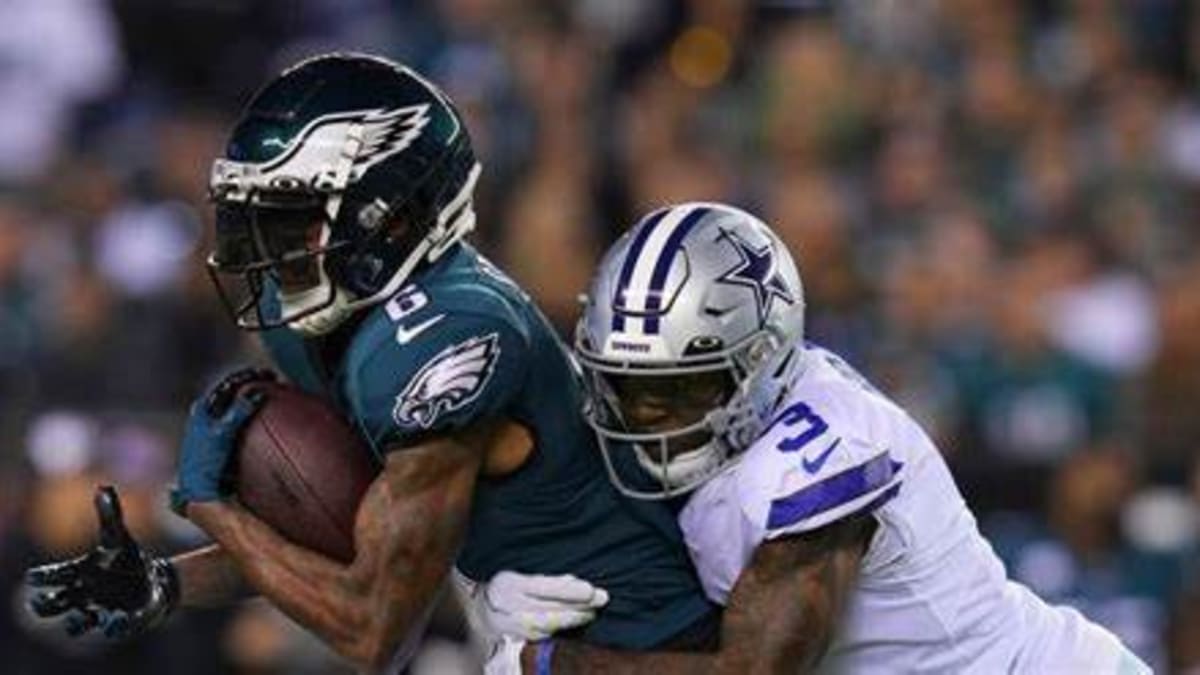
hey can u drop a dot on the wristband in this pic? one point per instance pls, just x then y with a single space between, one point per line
544 657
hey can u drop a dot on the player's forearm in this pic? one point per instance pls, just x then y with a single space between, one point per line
208 577
740 651
781 615
749 644
744 649
318 593
571 657
407 529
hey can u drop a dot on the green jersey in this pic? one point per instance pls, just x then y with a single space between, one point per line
463 343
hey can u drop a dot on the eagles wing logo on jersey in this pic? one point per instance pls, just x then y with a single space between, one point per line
451 380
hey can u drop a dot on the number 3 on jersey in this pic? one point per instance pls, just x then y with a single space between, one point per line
407 302
796 414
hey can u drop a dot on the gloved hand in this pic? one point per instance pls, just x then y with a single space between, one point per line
117 588
513 608
214 422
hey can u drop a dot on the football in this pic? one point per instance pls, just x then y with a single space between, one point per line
303 470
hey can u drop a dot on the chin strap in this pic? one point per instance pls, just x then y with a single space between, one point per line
686 470
323 320
335 302
456 220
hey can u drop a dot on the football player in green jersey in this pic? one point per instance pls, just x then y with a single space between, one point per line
342 200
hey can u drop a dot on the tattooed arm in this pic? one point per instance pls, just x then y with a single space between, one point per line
407 530
780 618
208 577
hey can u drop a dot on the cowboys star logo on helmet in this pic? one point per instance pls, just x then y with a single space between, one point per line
758 271
686 303
448 382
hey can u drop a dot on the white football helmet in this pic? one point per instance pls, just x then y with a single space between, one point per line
690 338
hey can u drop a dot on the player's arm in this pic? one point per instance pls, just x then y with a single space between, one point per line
781 614
407 530
208 577
443 419
120 588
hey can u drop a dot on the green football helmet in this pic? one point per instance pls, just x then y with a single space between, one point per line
344 174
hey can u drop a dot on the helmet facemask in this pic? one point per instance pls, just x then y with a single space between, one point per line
708 398
266 238
695 290
270 262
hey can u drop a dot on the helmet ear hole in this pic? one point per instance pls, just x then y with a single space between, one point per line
365 271
373 215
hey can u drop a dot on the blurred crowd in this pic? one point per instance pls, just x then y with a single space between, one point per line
993 207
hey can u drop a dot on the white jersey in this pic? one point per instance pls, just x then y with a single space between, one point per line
931 597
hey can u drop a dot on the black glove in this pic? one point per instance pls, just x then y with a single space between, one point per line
219 396
117 588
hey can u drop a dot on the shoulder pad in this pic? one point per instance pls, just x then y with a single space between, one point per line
427 366
818 463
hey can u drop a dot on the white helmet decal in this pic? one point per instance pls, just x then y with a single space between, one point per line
387 132
330 152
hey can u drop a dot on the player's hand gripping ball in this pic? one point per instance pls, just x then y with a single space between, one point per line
303 469
214 423
117 588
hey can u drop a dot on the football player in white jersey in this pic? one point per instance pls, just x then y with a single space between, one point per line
817 512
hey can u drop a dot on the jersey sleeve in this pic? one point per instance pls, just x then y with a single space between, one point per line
461 368
815 467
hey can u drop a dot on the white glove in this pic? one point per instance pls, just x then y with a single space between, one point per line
505 658
513 608
528 606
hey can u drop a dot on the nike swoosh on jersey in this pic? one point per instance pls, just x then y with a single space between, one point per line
405 335
814 465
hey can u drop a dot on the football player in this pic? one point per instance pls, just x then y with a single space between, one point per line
818 513
341 203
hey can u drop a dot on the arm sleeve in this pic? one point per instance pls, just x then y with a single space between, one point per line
866 482
465 369
827 466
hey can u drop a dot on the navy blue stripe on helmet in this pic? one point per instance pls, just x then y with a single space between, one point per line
631 257
663 266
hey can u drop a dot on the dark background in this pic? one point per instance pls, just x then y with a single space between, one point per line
993 205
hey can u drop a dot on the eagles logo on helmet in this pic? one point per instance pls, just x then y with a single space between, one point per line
343 175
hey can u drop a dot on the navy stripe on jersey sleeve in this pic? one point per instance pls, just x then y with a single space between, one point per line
833 492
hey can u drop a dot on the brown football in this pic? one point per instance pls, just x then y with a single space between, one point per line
303 470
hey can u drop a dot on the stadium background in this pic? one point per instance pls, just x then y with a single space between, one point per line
993 205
